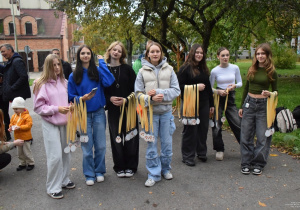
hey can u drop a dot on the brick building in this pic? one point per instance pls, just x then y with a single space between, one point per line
38 26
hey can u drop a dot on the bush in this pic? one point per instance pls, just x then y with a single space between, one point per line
284 57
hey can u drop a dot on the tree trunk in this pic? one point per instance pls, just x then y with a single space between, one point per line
129 51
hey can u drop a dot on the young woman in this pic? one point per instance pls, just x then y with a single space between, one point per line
81 82
51 102
227 76
125 153
157 79
194 71
5 158
261 75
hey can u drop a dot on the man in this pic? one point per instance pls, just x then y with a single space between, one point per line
13 81
66 66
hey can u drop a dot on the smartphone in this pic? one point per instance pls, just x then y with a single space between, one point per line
94 90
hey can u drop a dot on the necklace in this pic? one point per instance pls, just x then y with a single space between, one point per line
115 71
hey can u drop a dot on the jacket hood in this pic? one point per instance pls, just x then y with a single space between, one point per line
15 55
159 66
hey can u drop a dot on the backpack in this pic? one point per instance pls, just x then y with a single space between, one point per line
285 121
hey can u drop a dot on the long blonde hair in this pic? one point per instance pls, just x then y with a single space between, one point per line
269 66
112 45
48 73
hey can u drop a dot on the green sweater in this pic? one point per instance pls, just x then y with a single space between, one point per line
259 83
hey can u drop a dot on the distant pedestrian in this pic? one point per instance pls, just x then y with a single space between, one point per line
157 80
5 158
21 124
51 102
137 65
14 81
88 76
195 72
261 75
228 78
126 152
67 69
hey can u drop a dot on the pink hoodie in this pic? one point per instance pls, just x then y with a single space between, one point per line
46 102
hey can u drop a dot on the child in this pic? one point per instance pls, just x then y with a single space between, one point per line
21 124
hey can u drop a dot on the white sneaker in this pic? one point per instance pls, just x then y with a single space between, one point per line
168 175
149 183
100 178
219 155
90 182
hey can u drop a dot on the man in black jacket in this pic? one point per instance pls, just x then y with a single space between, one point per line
66 66
13 82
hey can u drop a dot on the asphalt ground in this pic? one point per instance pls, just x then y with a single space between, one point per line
210 185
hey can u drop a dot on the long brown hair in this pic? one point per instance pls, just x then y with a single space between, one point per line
111 46
148 49
48 73
269 66
2 128
193 64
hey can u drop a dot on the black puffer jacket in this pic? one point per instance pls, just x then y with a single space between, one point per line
15 79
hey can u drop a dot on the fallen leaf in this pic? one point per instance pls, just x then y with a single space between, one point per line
100 204
241 188
73 169
273 155
150 192
262 204
290 170
284 165
154 205
173 193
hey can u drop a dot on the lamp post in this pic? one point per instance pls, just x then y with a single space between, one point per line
15 32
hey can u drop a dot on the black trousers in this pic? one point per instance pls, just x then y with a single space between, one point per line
5 159
125 155
195 136
233 119
4 105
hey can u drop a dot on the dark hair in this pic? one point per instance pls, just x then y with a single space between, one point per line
8 46
93 73
221 49
193 64
55 49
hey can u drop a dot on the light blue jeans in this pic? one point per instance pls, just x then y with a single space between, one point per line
94 161
254 122
164 127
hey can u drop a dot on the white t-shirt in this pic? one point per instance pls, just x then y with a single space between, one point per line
226 76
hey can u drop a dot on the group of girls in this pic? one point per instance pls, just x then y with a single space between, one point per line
156 85
245 123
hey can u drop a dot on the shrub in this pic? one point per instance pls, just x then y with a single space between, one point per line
284 57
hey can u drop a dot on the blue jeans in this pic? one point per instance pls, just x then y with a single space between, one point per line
254 121
164 127
94 162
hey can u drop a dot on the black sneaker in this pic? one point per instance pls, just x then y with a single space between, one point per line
58 195
20 168
121 174
245 170
129 173
29 167
189 163
202 158
257 171
70 185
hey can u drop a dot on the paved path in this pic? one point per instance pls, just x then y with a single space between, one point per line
210 185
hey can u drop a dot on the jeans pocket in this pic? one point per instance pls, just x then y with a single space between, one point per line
172 125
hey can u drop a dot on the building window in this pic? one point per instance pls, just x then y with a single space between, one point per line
28 28
11 28
1 27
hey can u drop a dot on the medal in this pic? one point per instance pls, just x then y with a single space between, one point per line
73 148
223 119
67 149
211 123
118 139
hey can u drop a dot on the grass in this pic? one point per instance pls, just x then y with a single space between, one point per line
31 82
289 92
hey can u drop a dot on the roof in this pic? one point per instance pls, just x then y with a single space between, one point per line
53 20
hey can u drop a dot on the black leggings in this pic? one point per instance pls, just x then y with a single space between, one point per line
5 159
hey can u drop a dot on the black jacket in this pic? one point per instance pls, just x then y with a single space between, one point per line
15 79
67 69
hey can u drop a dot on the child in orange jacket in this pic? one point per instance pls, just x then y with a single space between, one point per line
21 124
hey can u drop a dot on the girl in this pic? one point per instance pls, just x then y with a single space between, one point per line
228 77
125 155
5 158
51 102
195 71
81 82
261 75
157 79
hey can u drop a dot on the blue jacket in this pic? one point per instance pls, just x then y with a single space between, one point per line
105 80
